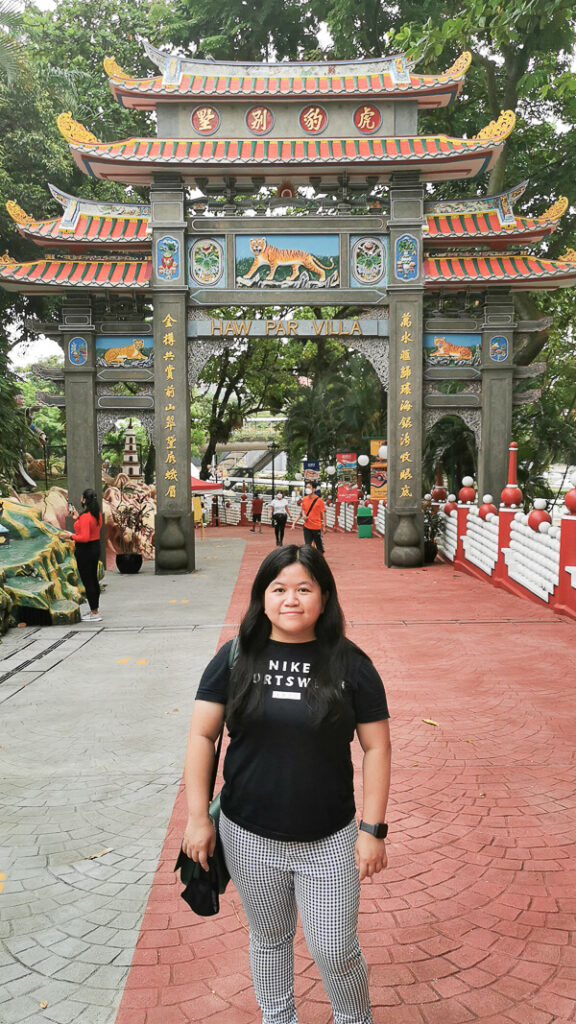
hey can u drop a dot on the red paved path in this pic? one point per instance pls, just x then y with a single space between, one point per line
474 918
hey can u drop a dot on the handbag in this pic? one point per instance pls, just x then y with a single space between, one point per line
203 888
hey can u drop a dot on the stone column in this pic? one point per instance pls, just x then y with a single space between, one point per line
77 337
404 520
497 392
174 527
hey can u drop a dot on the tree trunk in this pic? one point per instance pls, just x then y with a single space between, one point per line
150 465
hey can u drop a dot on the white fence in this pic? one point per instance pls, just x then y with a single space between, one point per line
341 515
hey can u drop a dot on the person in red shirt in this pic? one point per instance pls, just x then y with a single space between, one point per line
87 526
313 516
257 506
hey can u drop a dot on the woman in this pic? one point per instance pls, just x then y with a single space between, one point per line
279 506
292 701
87 526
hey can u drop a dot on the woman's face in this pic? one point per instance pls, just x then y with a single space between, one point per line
293 603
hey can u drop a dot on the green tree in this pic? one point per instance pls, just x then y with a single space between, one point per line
10 22
251 376
47 418
450 449
342 405
237 30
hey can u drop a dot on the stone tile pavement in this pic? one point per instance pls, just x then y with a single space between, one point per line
474 919
94 723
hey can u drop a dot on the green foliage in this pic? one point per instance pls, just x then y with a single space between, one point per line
343 407
254 375
237 30
450 448
10 52
47 418
12 424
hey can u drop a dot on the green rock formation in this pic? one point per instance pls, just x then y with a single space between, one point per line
37 570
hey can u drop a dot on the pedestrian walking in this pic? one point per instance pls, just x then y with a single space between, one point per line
279 507
292 700
87 526
257 506
313 516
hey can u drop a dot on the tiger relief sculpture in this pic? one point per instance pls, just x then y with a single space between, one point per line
131 351
266 255
446 348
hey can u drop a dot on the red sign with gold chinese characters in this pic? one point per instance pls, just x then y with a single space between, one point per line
259 120
313 119
205 120
367 118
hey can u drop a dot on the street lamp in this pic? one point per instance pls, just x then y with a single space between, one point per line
273 447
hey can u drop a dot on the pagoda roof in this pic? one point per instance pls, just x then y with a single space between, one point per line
188 78
520 272
56 275
489 220
87 222
435 158
440 273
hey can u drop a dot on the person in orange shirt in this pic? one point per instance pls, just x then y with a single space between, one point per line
87 526
313 516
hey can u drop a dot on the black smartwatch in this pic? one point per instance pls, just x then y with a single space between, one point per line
380 831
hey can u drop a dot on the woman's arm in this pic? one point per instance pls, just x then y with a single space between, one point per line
205 725
375 742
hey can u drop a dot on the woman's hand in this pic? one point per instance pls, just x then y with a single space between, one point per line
370 854
199 840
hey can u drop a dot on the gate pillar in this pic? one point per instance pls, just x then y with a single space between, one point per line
174 526
497 393
83 463
404 538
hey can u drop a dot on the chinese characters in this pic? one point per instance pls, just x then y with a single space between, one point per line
259 120
169 410
205 120
367 118
313 119
405 422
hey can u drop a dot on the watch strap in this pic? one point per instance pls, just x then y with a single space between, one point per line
380 830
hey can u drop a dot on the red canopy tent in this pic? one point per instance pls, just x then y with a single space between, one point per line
204 485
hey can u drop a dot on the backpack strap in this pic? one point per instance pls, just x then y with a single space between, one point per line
233 652
232 659
307 514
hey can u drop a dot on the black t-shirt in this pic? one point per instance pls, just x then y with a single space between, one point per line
285 775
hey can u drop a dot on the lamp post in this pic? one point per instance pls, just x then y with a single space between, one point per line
331 473
363 461
273 447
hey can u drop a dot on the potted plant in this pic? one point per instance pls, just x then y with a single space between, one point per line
130 518
434 527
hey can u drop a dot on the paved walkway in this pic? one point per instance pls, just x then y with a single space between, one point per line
474 919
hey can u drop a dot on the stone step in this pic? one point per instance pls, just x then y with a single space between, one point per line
63 612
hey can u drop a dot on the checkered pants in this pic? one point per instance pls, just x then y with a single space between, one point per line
275 879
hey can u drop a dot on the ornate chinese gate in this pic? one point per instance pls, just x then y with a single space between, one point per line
343 220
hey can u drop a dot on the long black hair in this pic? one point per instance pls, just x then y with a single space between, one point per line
325 692
91 502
